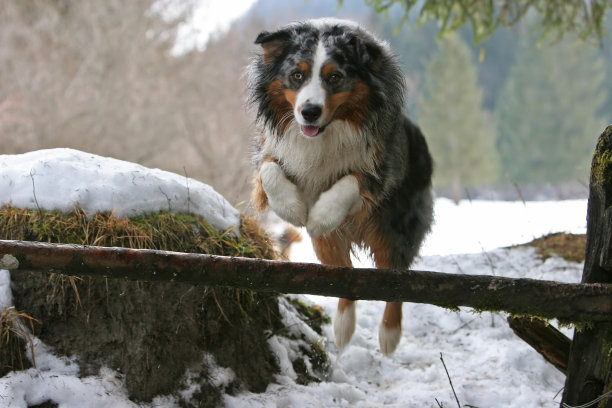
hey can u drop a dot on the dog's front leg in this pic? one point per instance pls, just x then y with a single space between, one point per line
333 206
283 196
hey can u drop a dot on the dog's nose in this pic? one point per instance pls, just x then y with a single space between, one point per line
311 112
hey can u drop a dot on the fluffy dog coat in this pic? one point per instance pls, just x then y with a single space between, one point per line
336 154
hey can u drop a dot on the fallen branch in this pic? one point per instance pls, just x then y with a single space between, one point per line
553 345
546 299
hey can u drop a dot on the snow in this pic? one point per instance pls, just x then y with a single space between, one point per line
58 179
489 366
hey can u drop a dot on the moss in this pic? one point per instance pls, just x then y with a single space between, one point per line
164 230
601 166
490 305
312 315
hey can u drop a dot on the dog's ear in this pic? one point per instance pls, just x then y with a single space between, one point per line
366 50
273 44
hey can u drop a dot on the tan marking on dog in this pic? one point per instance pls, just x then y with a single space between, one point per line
290 96
343 304
258 195
379 246
392 318
328 69
304 67
351 106
282 101
332 250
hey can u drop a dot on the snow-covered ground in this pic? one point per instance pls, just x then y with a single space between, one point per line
488 365
57 179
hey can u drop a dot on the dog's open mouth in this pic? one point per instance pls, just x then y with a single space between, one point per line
312 131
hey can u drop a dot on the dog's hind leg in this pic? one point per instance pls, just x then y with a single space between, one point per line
334 250
344 322
390 331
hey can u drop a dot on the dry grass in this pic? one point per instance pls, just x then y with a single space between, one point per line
570 247
163 231
13 333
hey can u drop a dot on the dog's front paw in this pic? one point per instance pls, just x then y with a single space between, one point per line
333 206
283 196
290 208
324 217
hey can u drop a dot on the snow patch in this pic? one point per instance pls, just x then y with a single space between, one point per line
59 179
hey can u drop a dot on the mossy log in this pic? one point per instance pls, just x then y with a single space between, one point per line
577 303
590 364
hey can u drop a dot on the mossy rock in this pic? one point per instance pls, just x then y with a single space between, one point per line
151 332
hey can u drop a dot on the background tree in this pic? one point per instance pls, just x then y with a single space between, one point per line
460 133
547 112
99 76
414 49
606 53
493 57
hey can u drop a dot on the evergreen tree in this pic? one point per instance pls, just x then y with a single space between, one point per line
460 133
606 51
414 47
494 57
547 111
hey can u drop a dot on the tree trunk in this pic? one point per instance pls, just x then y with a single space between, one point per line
590 364
567 302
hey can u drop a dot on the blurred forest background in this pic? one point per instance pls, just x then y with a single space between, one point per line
505 119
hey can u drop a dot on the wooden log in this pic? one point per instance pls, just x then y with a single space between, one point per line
553 345
590 364
567 302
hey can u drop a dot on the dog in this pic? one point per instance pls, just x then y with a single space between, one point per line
336 154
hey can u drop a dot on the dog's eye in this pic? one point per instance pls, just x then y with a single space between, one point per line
335 78
297 76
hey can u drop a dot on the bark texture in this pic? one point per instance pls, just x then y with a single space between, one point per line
590 364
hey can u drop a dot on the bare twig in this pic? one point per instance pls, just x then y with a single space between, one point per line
450 381
32 173
188 192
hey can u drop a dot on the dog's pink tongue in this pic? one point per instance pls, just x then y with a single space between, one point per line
310 131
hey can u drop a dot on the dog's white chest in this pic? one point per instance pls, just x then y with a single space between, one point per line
316 164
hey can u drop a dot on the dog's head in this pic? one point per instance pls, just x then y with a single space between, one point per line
316 72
